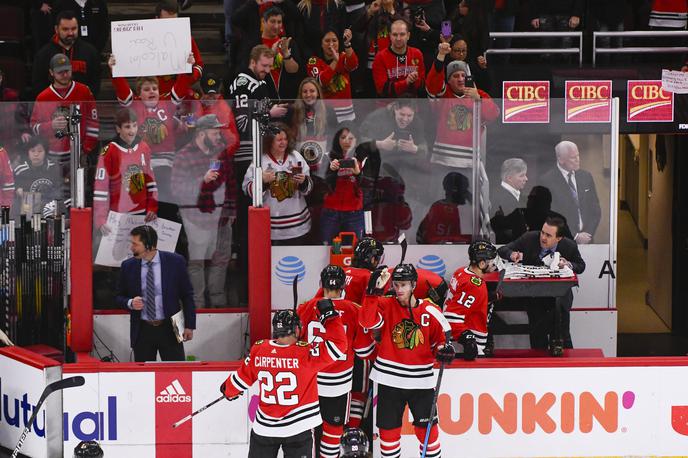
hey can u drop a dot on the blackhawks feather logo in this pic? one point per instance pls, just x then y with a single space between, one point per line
283 186
154 131
407 334
460 118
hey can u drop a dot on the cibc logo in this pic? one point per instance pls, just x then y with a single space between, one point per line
648 102
173 393
525 102
588 101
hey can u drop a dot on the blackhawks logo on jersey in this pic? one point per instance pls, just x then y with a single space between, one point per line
283 187
407 334
460 118
134 179
337 84
154 131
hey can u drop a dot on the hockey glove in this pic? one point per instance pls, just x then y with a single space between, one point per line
378 279
445 353
229 398
470 346
326 310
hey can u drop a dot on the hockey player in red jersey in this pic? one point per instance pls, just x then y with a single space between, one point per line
413 334
124 182
49 118
287 370
334 382
466 306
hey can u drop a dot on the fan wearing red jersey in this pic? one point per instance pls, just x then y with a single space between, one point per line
6 179
124 182
49 118
466 306
287 370
334 382
413 334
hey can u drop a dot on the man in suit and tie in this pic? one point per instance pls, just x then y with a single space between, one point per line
508 201
152 286
573 193
529 249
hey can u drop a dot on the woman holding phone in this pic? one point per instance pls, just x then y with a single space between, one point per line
286 182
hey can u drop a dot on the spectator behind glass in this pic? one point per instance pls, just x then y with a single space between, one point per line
508 201
84 57
442 223
343 205
124 182
41 14
209 233
396 130
286 183
332 68
376 25
6 180
51 110
317 17
38 174
309 121
169 9
478 67
399 69
94 22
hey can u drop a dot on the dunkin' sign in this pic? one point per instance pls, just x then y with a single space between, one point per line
588 101
525 102
648 102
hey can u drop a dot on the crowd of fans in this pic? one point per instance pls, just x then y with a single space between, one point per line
349 134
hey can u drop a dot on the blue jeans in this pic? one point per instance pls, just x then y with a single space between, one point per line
332 222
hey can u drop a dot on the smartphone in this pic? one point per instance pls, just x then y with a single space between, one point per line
446 29
296 169
469 81
347 163
402 134
215 165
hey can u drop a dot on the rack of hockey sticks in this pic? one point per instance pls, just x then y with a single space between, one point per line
32 279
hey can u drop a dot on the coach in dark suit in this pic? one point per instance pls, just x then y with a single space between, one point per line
530 249
573 193
153 285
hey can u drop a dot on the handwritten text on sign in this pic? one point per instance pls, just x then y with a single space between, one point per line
151 47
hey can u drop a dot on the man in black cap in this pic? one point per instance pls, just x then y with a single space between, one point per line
209 231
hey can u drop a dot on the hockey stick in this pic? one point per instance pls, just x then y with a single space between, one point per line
193 414
404 246
55 386
433 410
295 291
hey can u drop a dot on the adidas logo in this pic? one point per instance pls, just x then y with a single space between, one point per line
273 351
173 393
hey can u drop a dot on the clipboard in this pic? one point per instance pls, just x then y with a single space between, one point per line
178 325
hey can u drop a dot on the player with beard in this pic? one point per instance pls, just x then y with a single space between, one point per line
413 333
209 234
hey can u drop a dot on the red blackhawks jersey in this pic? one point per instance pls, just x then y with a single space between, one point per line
336 84
442 224
466 306
406 351
391 69
157 124
355 284
52 102
6 179
335 379
287 374
426 279
124 182
454 139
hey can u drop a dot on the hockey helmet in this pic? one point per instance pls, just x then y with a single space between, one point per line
332 277
285 323
405 272
88 449
367 253
481 250
353 444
